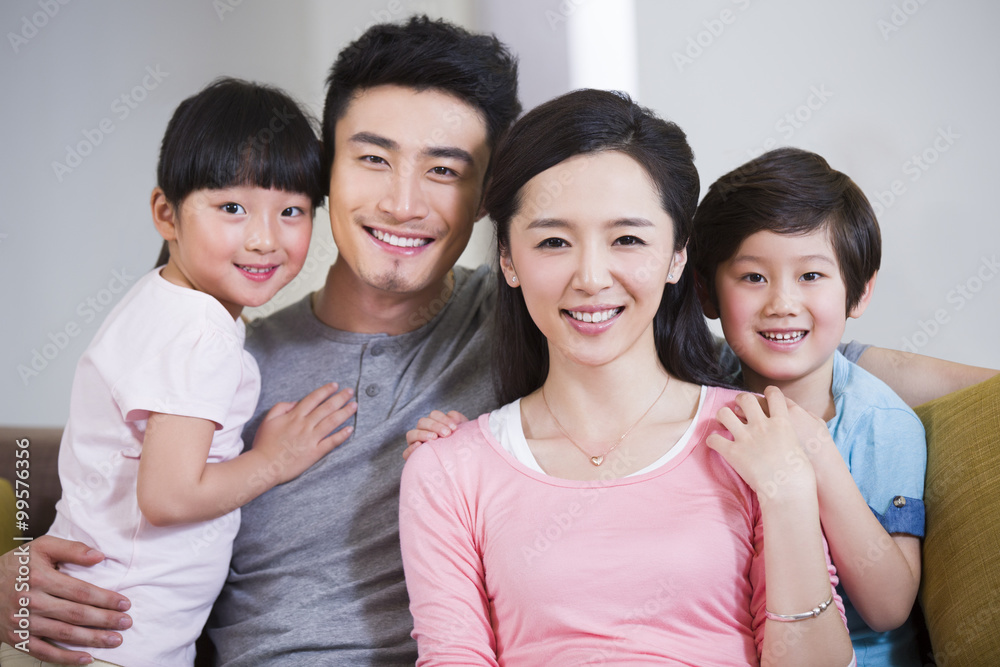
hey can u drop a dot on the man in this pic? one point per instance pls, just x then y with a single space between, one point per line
411 117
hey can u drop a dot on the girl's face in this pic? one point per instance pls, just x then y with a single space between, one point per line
239 244
591 249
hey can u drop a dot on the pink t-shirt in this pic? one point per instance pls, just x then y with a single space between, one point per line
173 350
506 565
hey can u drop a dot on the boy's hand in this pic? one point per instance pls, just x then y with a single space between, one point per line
765 449
814 436
435 425
296 435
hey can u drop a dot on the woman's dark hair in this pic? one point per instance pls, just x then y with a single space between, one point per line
233 133
787 191
582 122
423 54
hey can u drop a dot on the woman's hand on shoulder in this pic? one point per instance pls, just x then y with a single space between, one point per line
765 449
435 425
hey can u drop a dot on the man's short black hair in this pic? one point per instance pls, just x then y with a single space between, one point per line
425 54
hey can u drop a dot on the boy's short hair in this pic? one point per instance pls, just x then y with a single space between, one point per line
787 191
237 133
423 54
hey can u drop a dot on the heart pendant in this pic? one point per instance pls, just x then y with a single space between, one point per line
597 460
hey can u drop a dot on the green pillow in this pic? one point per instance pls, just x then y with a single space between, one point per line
961 551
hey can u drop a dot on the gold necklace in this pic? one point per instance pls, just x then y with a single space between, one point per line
599 459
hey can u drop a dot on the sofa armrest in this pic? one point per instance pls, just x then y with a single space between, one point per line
961 550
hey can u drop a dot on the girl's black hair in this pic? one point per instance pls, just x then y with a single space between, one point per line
235 132
577 123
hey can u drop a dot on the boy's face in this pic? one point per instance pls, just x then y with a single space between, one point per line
781 300
406 185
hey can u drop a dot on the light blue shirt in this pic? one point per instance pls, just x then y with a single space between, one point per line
883 442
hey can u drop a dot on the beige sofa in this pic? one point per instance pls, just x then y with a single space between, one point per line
960 590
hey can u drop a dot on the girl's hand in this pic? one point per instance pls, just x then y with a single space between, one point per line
435 425
765 449
297 435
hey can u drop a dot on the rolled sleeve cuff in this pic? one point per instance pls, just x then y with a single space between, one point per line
904 515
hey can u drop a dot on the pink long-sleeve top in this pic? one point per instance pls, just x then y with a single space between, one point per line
505 565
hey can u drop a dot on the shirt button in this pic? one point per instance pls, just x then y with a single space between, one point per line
377 351
372 390
899 501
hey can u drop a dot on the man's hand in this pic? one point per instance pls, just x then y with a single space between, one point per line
59 607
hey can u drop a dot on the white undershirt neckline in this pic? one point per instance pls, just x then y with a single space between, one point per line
505 425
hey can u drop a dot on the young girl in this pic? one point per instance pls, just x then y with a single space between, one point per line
150 460
603 515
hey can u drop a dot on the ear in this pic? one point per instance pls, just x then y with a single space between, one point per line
707 305
164 215
866 297
677 263
481 213
507 266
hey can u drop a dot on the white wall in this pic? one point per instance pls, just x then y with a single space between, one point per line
65 237
874 87
70 241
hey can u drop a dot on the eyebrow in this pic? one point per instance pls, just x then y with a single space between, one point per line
446 152
801 258
557 223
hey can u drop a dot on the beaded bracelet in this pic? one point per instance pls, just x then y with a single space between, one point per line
812 613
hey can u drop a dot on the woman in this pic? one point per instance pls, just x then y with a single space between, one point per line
603 515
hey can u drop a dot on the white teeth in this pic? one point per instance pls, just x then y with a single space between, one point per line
791 336
600 316
253 269
399 241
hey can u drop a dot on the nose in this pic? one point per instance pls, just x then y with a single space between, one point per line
260 234
405 199
593 270
782 301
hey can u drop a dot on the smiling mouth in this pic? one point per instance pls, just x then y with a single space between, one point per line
596 318
783 337
398 241
257 270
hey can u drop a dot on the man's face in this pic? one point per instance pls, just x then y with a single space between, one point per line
406 185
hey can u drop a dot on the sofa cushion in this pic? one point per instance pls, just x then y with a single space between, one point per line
8 528
961 550
42 473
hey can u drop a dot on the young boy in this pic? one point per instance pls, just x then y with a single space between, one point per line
787 248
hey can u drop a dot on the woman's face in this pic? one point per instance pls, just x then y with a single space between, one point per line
591 249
